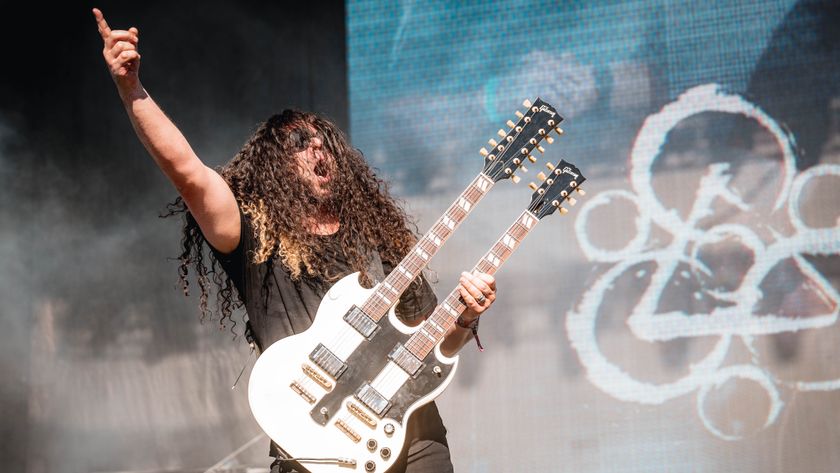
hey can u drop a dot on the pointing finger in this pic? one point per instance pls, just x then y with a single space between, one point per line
104 30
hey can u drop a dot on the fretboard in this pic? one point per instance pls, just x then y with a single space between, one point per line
443 317
389 291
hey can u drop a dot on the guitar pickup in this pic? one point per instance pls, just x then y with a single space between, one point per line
327 361
372 399
405 360
361 322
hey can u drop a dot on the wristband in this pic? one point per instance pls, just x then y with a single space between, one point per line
473 326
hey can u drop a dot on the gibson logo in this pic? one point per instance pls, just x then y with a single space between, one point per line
544 108
568 170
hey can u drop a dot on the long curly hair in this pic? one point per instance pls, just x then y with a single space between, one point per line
268 186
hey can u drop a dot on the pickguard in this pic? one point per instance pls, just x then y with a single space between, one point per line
367 362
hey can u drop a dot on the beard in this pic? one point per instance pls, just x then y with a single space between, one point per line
324 200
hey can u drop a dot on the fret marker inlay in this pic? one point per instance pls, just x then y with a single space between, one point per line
382 296
450 309
509 241
422 253
528 221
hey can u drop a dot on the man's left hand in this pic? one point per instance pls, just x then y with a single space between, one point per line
478 291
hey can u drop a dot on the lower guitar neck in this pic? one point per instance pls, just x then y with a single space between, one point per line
389 291
443 317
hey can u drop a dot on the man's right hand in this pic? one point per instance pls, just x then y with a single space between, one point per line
120 52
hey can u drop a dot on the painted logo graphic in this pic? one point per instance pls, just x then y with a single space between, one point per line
737 314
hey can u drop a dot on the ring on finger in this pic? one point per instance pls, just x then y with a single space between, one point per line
480 299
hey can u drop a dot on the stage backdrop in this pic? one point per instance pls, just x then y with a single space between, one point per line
682 317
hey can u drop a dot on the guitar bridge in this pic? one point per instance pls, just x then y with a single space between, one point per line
296 387
361 415
317 377
348 431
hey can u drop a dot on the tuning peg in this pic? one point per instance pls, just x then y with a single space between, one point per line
523 168
492 142
532 159
511 124
484 152
519 114
563 210
549 166
541 176
572 201
515 179
501 133
540 149
581 191
526 103
549 139
533 186
559 130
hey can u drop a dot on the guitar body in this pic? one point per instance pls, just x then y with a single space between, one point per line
312 415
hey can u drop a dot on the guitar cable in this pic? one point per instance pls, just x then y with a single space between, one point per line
338 460
249 337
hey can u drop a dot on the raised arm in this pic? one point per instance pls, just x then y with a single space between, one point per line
206 194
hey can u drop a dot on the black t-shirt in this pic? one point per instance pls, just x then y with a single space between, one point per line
277 306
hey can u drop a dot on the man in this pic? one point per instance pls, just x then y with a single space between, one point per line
295 210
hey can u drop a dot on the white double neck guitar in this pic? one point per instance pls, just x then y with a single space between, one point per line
297 386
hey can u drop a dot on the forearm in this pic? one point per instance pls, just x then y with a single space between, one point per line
161 138
455 340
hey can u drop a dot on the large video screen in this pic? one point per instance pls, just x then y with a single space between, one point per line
682 316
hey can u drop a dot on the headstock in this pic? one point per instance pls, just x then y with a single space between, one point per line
515 146
558 185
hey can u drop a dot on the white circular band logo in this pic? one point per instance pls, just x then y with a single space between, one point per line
738 317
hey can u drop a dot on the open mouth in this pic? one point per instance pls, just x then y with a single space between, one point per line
322 170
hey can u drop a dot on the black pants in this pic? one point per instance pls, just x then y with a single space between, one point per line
425 450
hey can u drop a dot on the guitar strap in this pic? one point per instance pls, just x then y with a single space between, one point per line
375 269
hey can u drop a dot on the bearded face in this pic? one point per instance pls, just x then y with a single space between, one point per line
316 170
